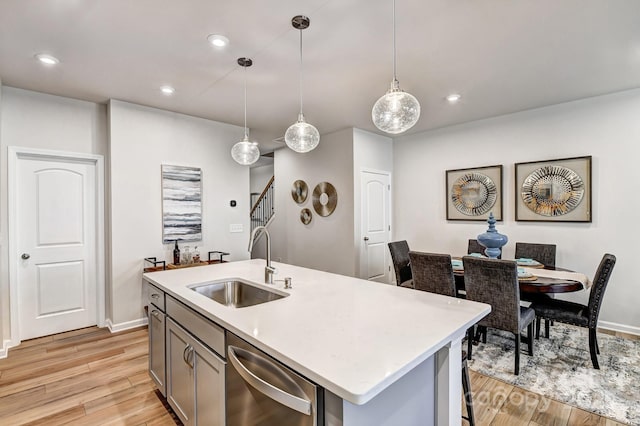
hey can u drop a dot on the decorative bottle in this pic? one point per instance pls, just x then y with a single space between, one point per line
176 254
196 255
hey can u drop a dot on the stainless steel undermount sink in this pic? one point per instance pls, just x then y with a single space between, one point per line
236 293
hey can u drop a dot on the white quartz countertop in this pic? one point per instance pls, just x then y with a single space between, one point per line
351 336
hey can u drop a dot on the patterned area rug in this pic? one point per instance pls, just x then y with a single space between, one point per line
561 369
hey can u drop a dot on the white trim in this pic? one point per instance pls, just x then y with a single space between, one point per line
13 154
623 328
4 351
115 328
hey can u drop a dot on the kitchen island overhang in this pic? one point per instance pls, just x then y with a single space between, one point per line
355 338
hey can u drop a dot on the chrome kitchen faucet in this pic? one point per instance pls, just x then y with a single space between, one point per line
268 270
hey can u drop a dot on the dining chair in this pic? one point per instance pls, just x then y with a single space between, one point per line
543 253
475 247
578 314
400 258
495 282
433 272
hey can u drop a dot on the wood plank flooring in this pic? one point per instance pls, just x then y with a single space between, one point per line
92 377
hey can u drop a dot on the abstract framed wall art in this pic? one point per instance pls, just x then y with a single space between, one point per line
181 203
554 190
474 193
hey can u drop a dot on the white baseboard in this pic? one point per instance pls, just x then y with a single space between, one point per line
115 328
4 351
623 328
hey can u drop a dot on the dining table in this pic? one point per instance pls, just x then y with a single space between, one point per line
538 278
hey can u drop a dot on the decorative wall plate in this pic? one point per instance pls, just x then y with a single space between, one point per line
305 216
325 199
299 191
474 194
552 190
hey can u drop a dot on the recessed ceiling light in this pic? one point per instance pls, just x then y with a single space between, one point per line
453 98
47 59
167 90
218 40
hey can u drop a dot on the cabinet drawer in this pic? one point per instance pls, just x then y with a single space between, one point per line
155 296
207 331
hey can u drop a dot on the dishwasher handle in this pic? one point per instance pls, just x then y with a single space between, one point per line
295 403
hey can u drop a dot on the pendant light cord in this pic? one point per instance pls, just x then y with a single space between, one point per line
394 40
246 130
300 80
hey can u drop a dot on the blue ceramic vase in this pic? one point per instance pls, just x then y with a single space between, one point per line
492 239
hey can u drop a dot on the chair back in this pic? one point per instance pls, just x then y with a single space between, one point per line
400 258
494 282
600 281
543 253
433 273
475 247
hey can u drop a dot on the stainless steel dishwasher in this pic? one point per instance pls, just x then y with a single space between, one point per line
262 391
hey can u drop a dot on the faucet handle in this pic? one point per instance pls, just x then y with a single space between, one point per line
271 269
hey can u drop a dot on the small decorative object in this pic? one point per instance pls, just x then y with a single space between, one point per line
305 216
299 191
176 254
554 190
196 255
324 198
473 193
186 256
492 239
181 204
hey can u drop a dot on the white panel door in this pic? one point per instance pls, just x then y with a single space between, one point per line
56 243
375 226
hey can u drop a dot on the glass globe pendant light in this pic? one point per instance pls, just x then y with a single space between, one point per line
245 152
396 111
301 136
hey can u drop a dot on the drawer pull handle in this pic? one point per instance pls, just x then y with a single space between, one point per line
155 313
155 296
187 355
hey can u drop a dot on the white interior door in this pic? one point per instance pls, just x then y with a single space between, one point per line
55 234
375 226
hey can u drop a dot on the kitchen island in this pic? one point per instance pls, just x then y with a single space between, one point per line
383 354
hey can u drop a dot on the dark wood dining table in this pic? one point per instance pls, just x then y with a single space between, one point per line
539 285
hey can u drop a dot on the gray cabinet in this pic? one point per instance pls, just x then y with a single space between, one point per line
195 379
195 373
157 332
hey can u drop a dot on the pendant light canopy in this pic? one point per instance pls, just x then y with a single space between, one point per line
301 136
396 111
245 152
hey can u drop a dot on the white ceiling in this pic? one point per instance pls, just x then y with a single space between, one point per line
501 55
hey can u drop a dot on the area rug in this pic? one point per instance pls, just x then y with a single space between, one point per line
561 369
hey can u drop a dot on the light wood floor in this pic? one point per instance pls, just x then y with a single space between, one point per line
92 377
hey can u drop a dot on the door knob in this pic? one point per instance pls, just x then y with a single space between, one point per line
25 256
366 238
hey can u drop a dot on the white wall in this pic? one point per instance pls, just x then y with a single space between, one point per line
141 139
327 242
605 127
371 152
35 120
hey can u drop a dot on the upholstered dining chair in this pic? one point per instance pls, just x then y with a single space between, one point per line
433 272
579 314
475 247
400 258
495 282
543 253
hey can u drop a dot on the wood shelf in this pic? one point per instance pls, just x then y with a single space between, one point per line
190 265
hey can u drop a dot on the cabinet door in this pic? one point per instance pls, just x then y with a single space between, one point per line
209 377
157 348
180 373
